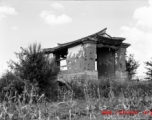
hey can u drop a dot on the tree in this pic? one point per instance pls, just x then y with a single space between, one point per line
131 66
149 70
35 66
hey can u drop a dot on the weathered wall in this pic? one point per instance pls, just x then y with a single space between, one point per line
57 57
75 59
120 64
105 62
82 77
81 62
81 58
90 55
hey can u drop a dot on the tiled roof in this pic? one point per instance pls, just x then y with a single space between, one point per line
92 37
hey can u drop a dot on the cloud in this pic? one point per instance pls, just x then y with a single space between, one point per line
14 28
3 69
57 6
140 45
139 38
7 10
150 2
52 19
144 16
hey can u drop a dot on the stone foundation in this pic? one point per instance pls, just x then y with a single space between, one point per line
82 77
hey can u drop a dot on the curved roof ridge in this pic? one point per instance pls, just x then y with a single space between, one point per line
93 37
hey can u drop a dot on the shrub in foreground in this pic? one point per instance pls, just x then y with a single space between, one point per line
36 66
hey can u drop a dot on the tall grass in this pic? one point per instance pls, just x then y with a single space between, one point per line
82 102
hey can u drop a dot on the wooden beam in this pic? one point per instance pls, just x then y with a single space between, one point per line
61 59
64 66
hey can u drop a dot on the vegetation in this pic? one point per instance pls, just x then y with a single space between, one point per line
149 70
91 107
131 66
29 92
35 67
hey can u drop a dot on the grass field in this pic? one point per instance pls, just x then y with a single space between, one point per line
87 108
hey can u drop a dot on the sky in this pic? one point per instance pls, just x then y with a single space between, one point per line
51 22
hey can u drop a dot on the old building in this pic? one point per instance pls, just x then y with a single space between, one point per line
97 55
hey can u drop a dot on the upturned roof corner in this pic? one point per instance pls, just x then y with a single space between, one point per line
99 37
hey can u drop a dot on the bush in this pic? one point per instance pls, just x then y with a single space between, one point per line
9 83
34 65
149 70
131 66
77 89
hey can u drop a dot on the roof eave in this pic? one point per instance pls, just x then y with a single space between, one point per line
125 45
119 38
90 38
55 49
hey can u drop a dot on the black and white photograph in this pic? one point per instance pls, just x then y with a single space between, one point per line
75 60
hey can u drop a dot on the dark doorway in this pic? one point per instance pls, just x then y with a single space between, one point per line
105 62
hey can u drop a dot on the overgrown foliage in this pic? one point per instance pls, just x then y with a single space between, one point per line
10 83
22 98
149 70
36 67
131 66
132 97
